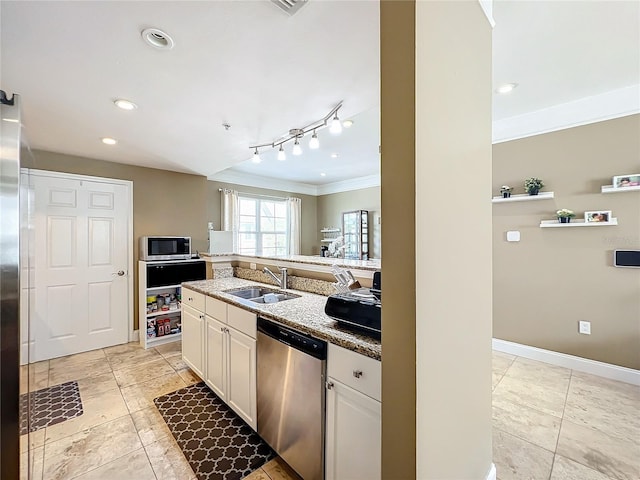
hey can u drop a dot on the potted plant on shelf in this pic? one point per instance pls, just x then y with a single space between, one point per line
565 215
505 190
533 185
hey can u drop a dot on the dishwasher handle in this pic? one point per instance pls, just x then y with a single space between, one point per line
300 341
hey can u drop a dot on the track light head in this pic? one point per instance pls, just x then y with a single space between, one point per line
336 126
297 149
256 157
281 154
314 143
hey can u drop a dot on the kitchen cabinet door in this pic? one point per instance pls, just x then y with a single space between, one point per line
216 375
193 339
242 376
353 444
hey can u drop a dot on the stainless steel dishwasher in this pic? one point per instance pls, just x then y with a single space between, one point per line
291 396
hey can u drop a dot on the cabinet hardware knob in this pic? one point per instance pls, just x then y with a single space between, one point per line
222 329
190 299
357 373
201 317
329 385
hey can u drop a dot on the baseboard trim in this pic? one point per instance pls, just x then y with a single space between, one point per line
134 336
492 473
593 367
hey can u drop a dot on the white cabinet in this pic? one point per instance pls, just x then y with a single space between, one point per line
219 344
192 339
353 428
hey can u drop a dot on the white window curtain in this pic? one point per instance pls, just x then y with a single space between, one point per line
294 205
229 213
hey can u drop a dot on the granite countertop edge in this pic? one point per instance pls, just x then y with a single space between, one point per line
366 265
305 314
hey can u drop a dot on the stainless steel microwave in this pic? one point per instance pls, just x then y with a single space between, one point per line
165 248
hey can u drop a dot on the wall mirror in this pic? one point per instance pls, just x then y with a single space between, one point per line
355 228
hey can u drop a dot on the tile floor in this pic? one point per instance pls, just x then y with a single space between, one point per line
550 423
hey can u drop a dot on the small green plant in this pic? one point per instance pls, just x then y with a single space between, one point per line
533 184
565 213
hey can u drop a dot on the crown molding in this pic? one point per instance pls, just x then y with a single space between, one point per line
487 8
348 185
240 178
597 108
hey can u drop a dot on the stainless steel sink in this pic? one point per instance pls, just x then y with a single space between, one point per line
257 294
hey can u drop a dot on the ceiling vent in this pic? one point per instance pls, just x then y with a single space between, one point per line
290 6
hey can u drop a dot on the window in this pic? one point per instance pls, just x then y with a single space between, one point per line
263 226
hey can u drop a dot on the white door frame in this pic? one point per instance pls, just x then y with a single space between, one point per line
114 181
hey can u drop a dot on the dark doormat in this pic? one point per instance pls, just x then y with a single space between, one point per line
49 406
217 443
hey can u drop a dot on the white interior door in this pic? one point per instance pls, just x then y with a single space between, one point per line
82 243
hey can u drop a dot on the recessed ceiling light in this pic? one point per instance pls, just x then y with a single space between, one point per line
506 88
334 155
125 104
157 38
323 174
109 141
347 123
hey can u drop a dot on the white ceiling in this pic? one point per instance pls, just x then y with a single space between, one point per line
251 65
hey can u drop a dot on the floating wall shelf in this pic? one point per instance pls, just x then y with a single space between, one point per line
610 189
523 197
576 223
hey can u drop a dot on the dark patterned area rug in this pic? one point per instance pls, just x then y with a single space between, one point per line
217 443
49 406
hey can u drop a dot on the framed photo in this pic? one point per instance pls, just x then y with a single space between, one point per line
623 181
598 216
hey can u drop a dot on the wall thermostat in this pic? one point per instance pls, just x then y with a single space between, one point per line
626 258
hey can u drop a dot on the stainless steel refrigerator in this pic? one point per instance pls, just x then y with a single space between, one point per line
10 145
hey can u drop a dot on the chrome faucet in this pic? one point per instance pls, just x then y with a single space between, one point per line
281 281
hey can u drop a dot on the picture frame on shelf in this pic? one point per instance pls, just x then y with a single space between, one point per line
624 181
597 216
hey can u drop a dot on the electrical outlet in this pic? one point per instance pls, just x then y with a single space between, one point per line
584 327
252 266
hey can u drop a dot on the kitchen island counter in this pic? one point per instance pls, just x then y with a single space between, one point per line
305 314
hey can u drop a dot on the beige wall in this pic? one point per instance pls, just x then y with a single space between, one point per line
554 278
330 208
309 223
164 203
453 260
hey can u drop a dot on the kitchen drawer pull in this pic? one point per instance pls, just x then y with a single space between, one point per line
222 329
201 317
357 373
190 299
329 385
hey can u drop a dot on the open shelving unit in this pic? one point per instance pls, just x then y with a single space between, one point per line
329 234
525 197
576 223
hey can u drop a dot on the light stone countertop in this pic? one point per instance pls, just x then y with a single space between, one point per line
305 314
372 265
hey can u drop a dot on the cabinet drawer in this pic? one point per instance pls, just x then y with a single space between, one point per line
193 299
362 373
241 320
216 308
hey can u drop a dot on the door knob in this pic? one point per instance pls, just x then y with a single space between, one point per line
120 273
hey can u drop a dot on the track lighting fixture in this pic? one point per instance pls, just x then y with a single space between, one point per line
297 133
314 142
297 149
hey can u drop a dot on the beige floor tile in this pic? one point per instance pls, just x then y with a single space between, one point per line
277 469
540 373
36 439
130 355
141 395
97 384
170 349
176 362
545 398
97 410
143 373
501 362
78 358
565 469
495 379
34 376
150 425
259 474
529 424
610 406
31 464
599 451
167 460
132 466
89 449
61 372
188 376
516 459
